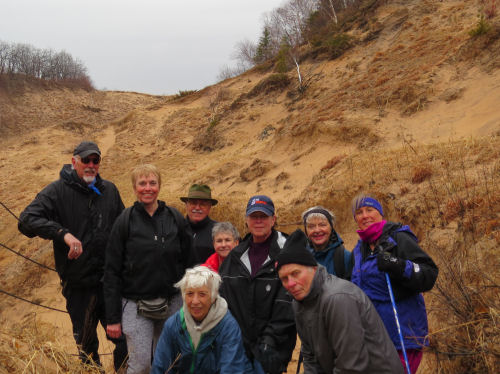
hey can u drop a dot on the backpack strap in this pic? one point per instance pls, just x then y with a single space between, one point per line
178 218
185 235
338 262
125 224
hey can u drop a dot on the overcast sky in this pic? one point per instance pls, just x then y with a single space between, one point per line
150 46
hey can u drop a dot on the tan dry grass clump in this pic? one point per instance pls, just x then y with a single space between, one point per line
34 348
454 210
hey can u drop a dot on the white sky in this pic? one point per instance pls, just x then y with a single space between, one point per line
150 46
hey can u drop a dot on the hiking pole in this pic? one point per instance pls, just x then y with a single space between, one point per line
389 286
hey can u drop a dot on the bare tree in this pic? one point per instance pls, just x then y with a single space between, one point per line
40 63
4 56
226 72
289 22
244 53
333 12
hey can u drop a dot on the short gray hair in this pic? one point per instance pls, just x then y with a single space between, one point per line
225 227
200 276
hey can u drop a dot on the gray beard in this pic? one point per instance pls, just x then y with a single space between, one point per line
88 179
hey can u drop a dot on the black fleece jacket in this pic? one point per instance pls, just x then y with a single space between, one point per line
145 259
202 237
69 205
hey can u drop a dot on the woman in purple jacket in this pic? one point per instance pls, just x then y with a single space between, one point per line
388 247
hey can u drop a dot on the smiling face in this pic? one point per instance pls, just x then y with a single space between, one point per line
297 279
198 209
260 225
366 216
224 243
146 189
198 302
318 230
86 171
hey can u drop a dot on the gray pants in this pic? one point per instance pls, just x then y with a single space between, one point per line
142 334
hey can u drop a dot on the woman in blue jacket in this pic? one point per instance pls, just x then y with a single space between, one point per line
388 247
325 244
202 337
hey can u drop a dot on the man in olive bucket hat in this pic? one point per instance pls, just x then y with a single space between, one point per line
198 204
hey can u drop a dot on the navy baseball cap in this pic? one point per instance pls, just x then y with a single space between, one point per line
260 203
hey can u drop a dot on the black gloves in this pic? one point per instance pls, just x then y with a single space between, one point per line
269 359
395 266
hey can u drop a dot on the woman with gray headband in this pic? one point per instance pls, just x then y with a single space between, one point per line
324 242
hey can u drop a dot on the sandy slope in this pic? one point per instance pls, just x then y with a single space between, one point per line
268 144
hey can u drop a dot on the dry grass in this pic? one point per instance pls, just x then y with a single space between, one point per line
34 348
448 192
456 218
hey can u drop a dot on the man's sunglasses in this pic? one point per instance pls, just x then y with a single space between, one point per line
86 160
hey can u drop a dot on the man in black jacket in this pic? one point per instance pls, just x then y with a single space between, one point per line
253 291
198 204
77 212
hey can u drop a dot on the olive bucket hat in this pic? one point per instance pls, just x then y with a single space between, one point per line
199 191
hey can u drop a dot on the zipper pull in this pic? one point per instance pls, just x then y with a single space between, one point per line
156 238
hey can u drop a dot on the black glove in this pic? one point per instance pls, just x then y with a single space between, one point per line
269 359
395 266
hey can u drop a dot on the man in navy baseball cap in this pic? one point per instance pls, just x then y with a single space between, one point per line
260 203
250 283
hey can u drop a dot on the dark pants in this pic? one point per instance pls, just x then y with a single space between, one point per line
86 309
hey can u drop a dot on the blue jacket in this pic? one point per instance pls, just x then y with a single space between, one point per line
219 351
420 275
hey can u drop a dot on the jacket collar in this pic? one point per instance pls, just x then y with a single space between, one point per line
69 176
140 206
274 249
198 225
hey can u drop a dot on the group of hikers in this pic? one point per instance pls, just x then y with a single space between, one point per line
187 294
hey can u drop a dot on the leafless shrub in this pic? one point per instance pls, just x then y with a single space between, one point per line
452 94
227 72
267 132
421 173
257 169
272 83
208 140
467 339
282 177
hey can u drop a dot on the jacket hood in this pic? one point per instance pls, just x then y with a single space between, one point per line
217 311
391 227
69 176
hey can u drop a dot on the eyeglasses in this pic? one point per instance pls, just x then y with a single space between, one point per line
87 160
200 202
